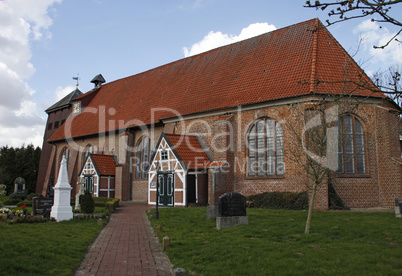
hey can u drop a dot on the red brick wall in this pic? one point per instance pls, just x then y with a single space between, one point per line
383 178
47 168
378 187
390 177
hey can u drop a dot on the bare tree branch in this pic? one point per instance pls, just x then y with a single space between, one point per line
346 10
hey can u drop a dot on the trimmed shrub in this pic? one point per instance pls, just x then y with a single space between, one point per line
101 201
32 195
105 214
280 200
26 203
20 196
10 202
87 203
31 219
112 204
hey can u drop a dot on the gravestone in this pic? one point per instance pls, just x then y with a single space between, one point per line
42 206
398 207
77 196
19 185
232 204
232 210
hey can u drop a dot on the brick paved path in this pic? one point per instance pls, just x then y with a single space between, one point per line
126 246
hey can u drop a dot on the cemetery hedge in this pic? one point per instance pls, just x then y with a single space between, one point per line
280 200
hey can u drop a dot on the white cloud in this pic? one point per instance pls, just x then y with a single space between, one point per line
61 92
20 22
17 136
217 39
371 34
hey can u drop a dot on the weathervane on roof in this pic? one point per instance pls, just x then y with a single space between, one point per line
77 78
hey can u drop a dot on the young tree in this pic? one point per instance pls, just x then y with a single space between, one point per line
315 131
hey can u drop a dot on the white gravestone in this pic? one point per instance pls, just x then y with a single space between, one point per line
62 209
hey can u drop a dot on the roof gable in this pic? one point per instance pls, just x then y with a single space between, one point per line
104 164
66 100
187 149
264 68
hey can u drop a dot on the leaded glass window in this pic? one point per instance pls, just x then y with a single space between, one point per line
265 149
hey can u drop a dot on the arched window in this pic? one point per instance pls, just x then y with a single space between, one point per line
65 152
143 154
351 156
265 149
88 150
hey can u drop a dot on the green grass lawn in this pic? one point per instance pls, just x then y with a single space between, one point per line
45 248
273 243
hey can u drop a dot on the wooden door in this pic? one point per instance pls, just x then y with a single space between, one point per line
166 188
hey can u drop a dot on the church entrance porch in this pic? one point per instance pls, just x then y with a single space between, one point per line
178 172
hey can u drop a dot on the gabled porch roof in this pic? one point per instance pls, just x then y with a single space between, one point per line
104 165
188 149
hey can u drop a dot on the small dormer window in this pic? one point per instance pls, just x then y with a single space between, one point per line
164 155
77 107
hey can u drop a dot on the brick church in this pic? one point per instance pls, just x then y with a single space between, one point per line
219 121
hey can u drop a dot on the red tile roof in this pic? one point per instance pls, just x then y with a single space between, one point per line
267 67
189 150
104 164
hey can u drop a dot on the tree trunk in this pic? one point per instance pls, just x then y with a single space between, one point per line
310 208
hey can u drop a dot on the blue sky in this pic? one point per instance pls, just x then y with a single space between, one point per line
44 43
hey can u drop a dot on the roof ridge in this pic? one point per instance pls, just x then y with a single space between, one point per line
314 55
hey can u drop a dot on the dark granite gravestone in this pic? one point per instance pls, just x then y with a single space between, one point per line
232 210
42 206
232 204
